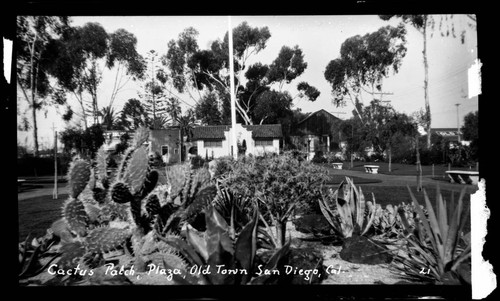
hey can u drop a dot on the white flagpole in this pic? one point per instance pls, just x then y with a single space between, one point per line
234 147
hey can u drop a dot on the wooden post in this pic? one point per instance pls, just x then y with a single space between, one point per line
477 166
449 166
54 193
433 170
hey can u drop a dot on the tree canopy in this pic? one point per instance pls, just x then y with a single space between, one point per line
364 61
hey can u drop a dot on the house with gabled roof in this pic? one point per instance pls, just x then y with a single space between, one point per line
215 140
318 131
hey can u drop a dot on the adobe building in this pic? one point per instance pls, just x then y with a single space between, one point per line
216 140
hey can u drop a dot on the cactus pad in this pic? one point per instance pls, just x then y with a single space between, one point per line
120 193
106 239
99 195
101 165
78 176
111 210
137 169
150 182
75 215
141 135
152 205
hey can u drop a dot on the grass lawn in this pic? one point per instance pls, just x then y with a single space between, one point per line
36 214
337 179
404 169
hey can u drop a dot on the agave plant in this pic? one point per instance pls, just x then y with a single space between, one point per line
388 221
216 248
347 211
30 255
437 251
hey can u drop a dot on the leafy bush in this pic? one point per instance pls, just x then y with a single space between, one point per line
29 165
223 165
85 142
156 161
281 184
296 154
197 162
319 157
333 158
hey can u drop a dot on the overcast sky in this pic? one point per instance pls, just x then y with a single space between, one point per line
320 38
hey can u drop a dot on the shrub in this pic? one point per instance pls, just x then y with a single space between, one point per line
319 157
197 162
156 161
223 165
281 184
333 158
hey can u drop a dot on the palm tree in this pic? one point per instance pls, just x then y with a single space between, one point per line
186 124
109 118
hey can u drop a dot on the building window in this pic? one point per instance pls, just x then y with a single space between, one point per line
212 143
263 142
176 151
164 150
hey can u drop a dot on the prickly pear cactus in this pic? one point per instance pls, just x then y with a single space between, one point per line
140 137
102 166
120 193
75 216
105 239
78 176
136 170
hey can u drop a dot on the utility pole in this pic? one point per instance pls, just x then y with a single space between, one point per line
234 147
54 193
458 123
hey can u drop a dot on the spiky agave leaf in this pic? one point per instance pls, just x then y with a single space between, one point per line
75 216
78 176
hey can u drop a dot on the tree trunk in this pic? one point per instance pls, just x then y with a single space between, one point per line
35 127
34 104
390 158
426 84
419 168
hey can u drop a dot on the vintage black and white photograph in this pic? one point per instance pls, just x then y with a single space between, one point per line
246 149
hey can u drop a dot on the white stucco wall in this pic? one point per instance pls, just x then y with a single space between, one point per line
241 134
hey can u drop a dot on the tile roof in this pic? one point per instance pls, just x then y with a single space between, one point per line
323 111
265 130
217 131
210 132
